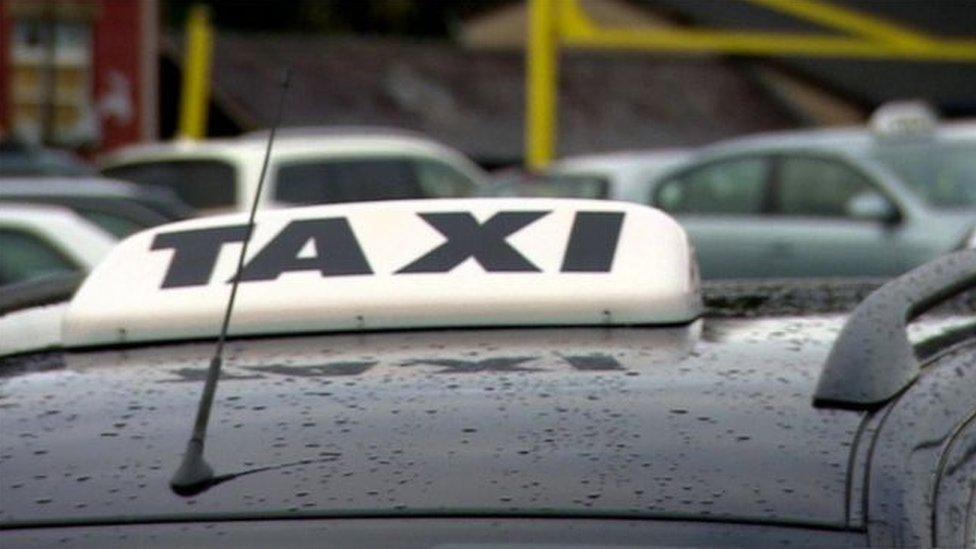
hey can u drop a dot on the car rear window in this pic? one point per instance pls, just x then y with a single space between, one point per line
347 180
943 174
199 183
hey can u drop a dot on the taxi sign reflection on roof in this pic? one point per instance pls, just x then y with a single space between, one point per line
394 265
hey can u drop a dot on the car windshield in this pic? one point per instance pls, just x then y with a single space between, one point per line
943 174
337 180
199 183
558 186
570 187
347 180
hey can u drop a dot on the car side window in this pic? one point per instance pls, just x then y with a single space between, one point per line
346 180
26 256
732 187
439 180
820 187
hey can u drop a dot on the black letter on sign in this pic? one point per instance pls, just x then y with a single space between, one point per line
195 253
468 238
592 242
336 249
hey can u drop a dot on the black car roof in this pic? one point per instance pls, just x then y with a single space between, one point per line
709 421
712 420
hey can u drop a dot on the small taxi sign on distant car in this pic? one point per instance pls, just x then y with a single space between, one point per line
383 265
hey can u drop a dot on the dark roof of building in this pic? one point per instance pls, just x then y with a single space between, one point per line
474 99
948 85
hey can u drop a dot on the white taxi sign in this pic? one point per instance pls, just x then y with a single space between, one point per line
903 119
393 265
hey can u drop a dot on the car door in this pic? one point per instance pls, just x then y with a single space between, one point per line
722 204
829 219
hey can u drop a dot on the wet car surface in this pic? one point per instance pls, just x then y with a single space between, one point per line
415 533
710 423
620 422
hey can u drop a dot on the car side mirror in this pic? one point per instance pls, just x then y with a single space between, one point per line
872 207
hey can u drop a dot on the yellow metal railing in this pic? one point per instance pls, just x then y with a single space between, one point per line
563 23
195 95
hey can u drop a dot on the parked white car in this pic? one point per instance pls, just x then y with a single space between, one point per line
41 240
308 166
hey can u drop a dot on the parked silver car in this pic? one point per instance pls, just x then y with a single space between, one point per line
868 201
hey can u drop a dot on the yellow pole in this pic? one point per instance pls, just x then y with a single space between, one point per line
196 74
540 93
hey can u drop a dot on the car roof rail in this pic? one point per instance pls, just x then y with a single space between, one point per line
873 359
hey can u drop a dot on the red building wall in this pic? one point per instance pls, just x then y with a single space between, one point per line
123 64
116 48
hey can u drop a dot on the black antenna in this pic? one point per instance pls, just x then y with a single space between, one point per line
194 474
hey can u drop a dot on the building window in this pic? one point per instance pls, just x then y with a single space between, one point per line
51 78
